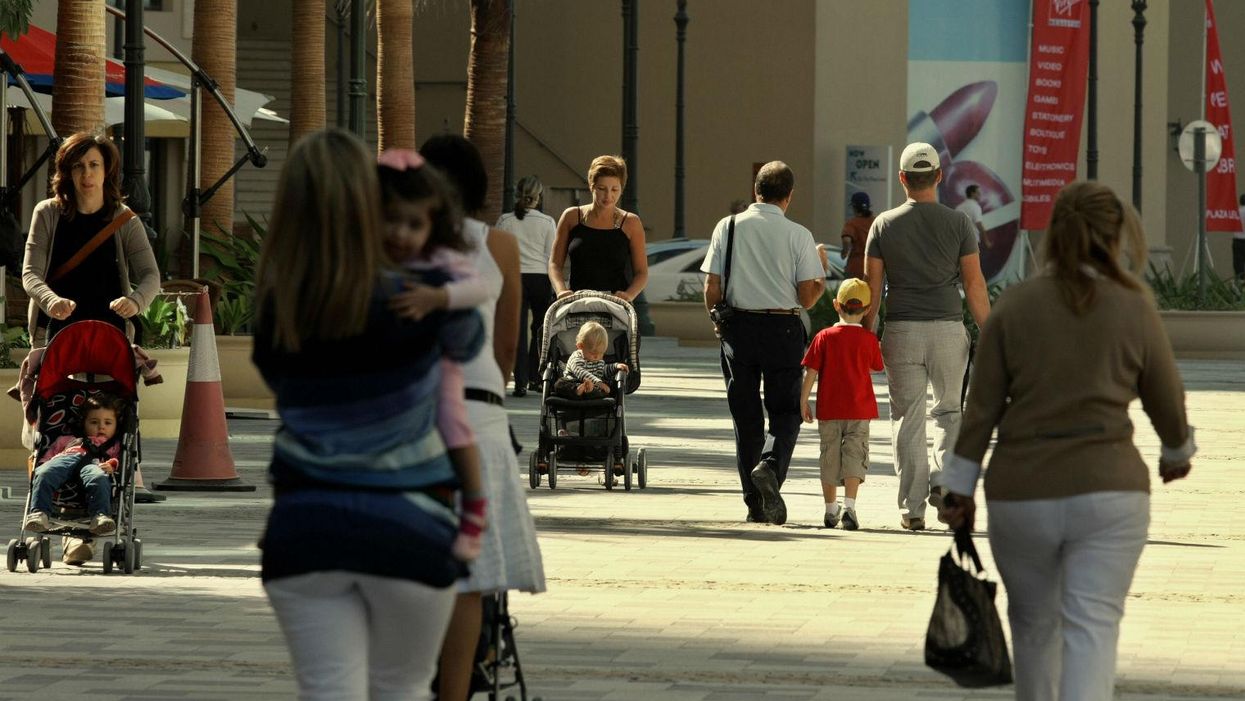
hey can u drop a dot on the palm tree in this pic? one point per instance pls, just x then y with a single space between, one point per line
485 119
215 50
395 75
78 78
307 82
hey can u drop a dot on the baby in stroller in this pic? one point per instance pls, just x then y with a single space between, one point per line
585 373
92 456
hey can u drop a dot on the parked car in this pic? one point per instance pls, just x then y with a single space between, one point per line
674 270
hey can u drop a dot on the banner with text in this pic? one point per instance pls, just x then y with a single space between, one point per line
1221 211
1058 68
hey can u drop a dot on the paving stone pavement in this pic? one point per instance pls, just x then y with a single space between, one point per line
662 593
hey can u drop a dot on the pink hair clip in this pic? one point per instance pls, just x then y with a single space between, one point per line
400 159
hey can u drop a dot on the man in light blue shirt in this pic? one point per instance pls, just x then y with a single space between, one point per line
774 269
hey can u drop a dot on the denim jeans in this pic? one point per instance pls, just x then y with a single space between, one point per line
920 355
1067 565
53 474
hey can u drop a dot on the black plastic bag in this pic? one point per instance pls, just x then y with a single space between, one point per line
965 636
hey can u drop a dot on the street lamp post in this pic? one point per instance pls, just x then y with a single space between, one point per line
1139 29
508 159
343 109
1091 115
680 23
358 59
630 130
134 170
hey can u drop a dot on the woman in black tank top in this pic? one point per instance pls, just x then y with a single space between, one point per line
605 244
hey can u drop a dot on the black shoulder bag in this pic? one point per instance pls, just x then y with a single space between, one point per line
722 312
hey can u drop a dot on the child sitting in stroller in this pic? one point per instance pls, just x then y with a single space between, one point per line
584 377
93 456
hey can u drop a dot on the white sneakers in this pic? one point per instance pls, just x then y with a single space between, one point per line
102 524
36 522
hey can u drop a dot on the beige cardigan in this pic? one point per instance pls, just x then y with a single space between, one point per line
135 261
1058 387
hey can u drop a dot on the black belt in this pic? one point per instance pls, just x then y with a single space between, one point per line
776 312
483 395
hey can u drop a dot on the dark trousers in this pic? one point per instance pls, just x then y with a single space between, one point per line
761 350
1238 258
537 295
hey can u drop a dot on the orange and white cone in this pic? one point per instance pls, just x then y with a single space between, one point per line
203 462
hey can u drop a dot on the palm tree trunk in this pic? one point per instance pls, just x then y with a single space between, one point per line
395 75
485 120
215 49
78 80
307 95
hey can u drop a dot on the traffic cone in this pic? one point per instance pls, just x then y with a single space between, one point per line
203 462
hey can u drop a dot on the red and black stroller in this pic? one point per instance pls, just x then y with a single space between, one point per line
84 358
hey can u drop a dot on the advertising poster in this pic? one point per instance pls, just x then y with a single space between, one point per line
870 170
967 71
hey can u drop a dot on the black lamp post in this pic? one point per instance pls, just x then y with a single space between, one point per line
358 60
1139 29
343 109
1091 115
134 172
630 130
507 197
680 23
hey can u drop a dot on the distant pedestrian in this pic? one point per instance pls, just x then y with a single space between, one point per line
839 361
924 251
1238 246
971 207
604 243
536 232
771 269
856 234
1061 358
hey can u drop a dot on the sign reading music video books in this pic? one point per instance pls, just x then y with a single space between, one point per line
1058 67
1221 211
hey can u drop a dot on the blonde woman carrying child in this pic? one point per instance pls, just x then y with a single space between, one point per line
846 404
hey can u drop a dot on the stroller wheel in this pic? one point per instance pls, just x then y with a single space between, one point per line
608 470
105 556
533 471
553 469
45 551
138 554
127 556
32 556
11 554
626 470
641 468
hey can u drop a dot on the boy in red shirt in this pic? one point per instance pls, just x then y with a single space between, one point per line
846 403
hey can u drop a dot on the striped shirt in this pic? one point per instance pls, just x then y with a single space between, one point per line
580 368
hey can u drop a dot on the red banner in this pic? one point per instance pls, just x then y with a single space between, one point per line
1221 211
1058 68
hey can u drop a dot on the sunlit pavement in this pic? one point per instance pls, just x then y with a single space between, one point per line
661 593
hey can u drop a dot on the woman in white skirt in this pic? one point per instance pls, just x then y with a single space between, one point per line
510 559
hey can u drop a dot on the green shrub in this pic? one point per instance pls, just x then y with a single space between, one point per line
1181 294
165 323
236 257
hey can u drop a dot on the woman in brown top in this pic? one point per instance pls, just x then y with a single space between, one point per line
1060 359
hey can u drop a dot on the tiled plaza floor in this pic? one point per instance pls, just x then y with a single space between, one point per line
661 594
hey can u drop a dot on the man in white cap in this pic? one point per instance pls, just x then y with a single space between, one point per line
925 251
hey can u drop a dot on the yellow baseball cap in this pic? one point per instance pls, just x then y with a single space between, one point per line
853 295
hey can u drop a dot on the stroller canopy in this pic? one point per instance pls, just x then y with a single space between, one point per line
94 347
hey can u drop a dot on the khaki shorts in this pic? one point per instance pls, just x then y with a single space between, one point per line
844 450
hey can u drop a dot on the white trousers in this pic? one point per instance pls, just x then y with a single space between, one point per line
1067 565
356 636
